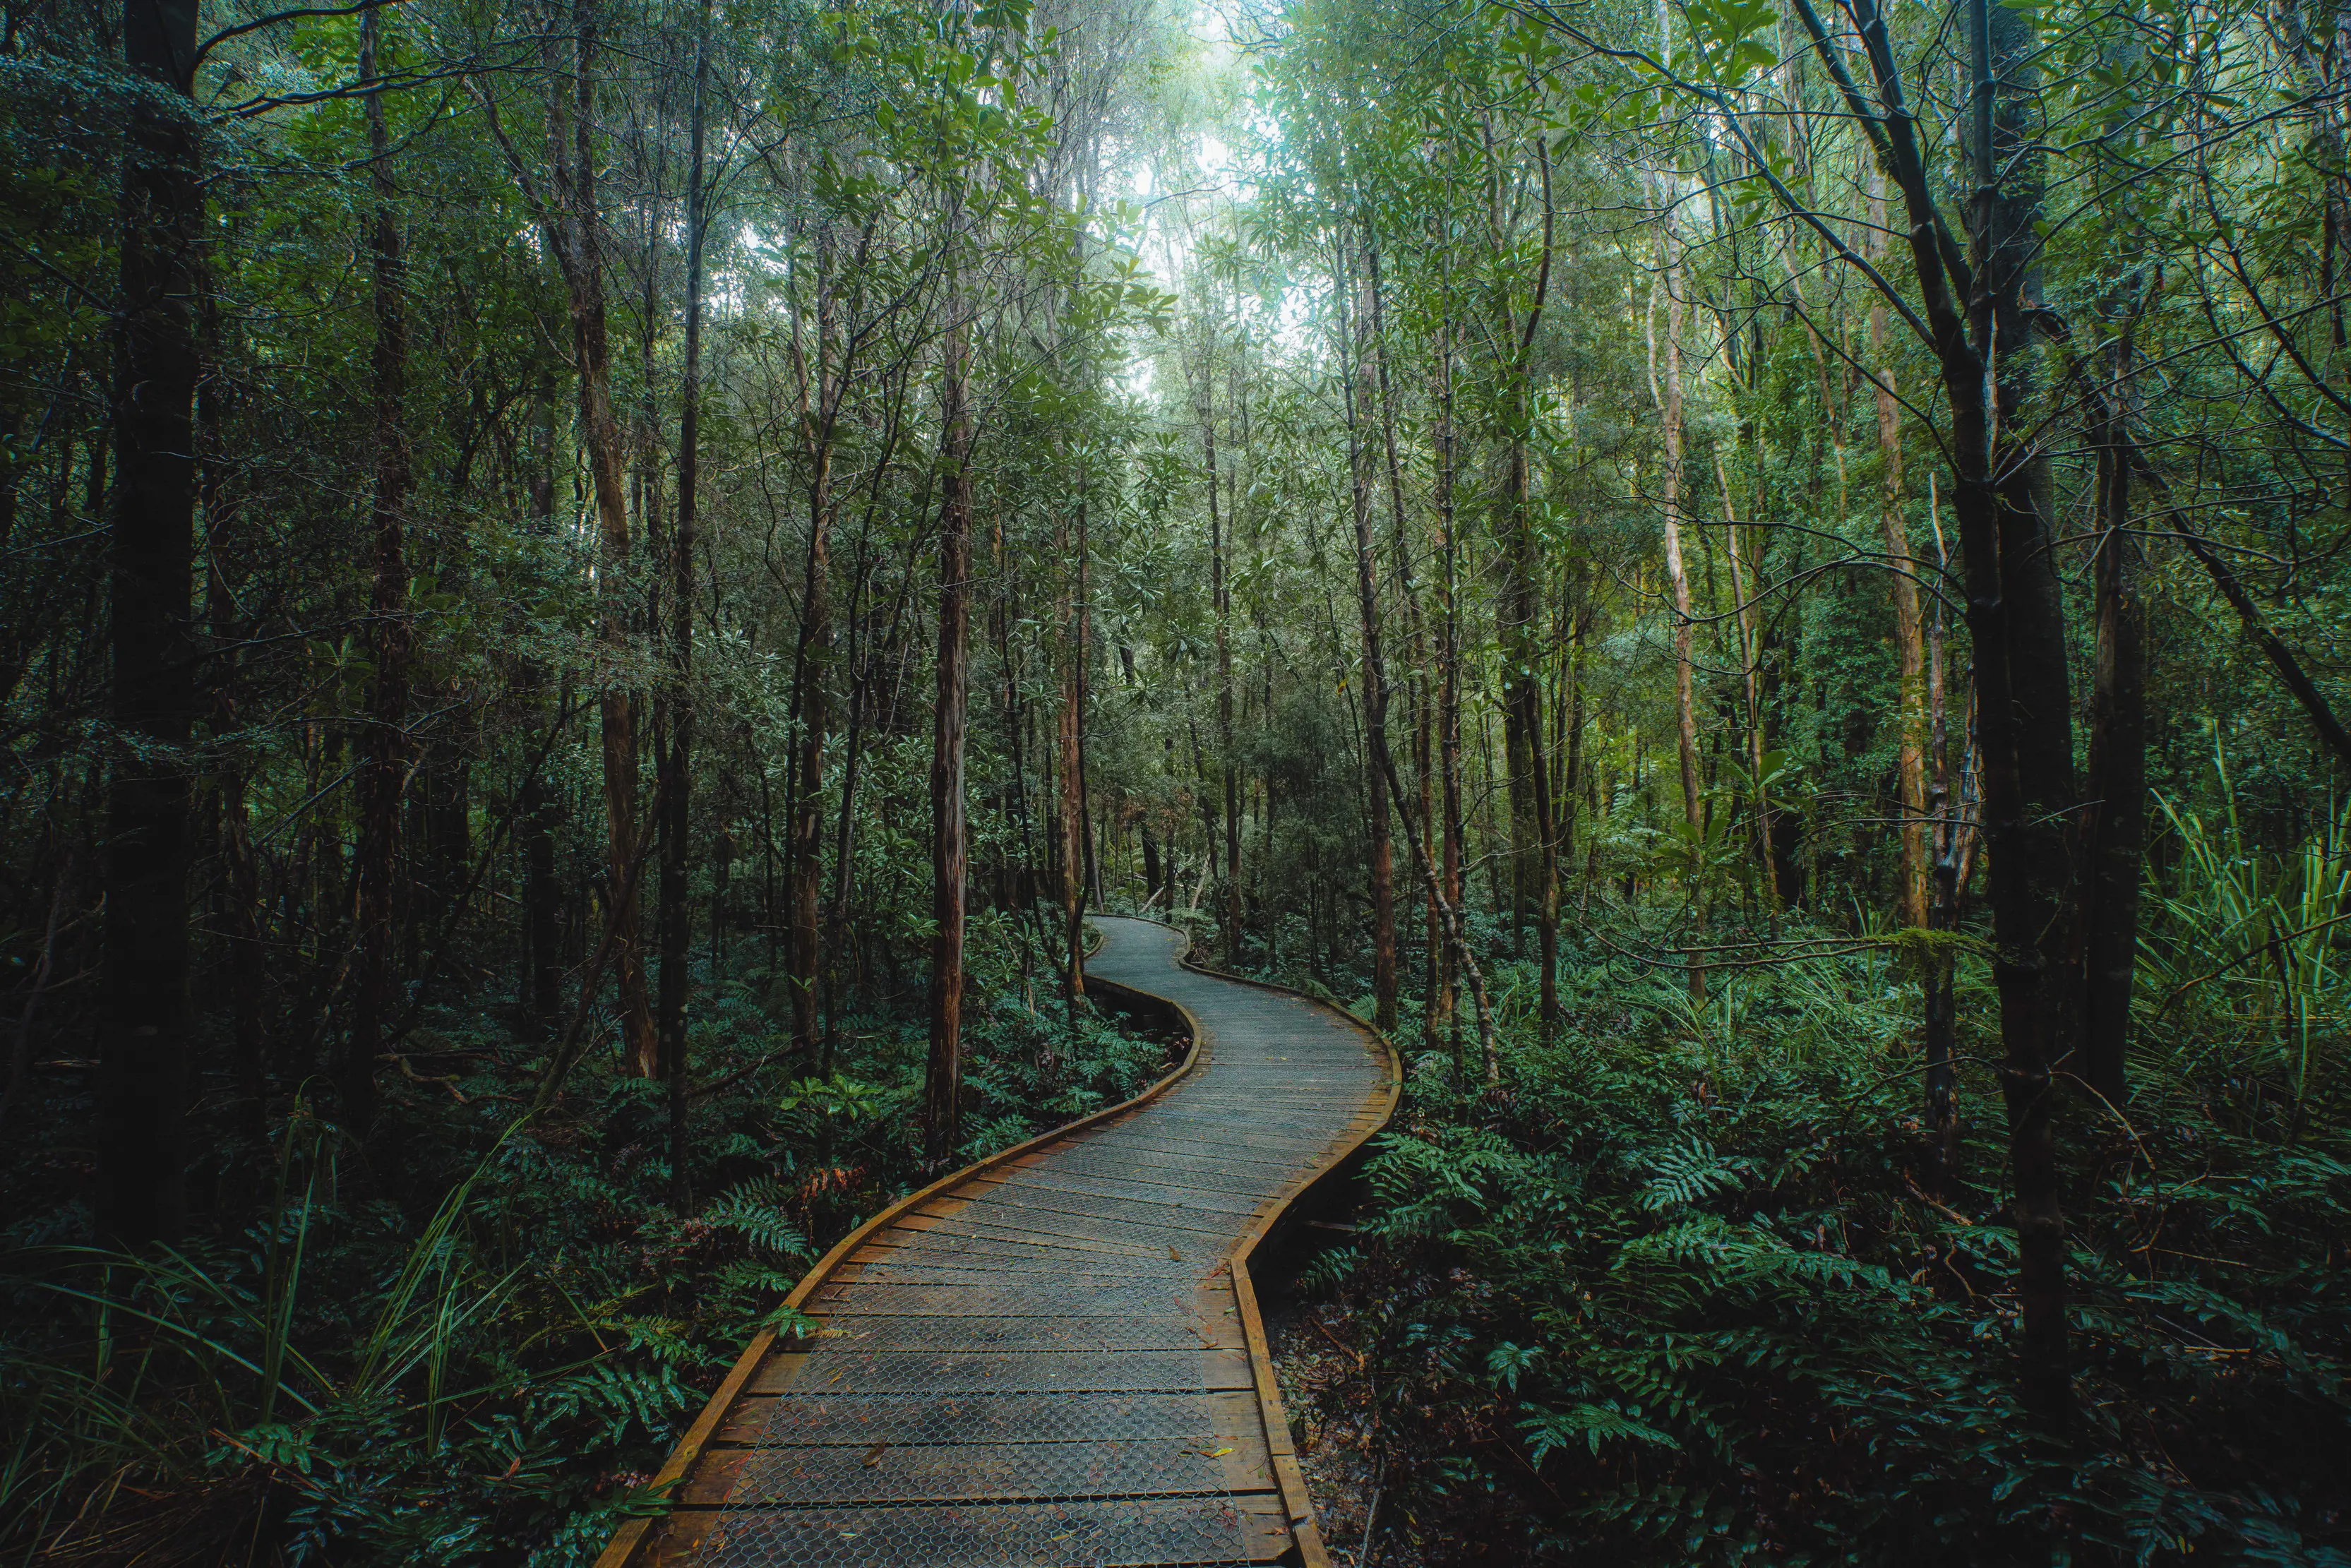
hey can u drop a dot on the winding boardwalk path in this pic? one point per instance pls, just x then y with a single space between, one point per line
1053 1358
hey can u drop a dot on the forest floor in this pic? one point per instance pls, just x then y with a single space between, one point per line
1326 1393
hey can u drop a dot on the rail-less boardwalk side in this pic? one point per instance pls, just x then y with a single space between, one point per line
1053 1357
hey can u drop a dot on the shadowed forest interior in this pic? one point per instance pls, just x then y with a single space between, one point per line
592 592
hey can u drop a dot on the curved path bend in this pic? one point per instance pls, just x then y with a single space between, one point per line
1053 1357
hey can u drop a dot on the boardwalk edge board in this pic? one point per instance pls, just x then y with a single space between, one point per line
626 1548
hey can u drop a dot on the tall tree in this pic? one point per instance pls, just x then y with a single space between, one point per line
943 1081
1221 606
1902 580
1669 483
821 390
1980 312
384 769
677 780
1353 275
1072 812
571 223
1519 608
143 1051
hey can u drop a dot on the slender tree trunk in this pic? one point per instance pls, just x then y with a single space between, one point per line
1424 736
1520 615
1448 669
1362 387
2291 674
1143 823
227 627
815 664
1069 731
1386 785
2030 788
1752 689
1948 806
542 802
143 1051
1070 807
1909 638
943 1085
580 252
1221 600
384 770
2116 797
1678 576
677 817
1981 313
1086 827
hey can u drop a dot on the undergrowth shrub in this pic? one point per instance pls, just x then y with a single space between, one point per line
470 1338
1679 1290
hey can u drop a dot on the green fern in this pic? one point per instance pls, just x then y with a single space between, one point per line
609 1398
753 1210
1686 1173
1590 1424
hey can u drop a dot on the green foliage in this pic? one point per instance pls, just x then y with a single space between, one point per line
1672 1295
491 1374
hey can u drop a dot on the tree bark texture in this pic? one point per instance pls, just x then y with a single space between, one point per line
819 413
1902 574
575 237
143 1049
384 770
943 1082
2116 818
1362 390
677 817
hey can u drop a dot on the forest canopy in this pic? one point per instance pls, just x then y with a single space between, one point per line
592 592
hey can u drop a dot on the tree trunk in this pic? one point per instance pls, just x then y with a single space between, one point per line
1950 805
943 1084
579 254
2116 819
1536 855
143 1052
1220 602
1980 314
2282 659
2029 785
1424 718
240 870
542 802
1074 855
1449 672
1676 575
1362 387
819 419
677 817
1909 640
385 767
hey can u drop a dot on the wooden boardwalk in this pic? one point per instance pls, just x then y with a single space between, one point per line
1053 1357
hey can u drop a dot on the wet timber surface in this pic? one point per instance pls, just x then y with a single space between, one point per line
1047 1362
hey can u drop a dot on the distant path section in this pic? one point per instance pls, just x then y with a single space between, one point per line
1053 1357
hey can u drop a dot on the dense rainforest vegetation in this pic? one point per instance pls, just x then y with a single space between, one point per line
590 591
